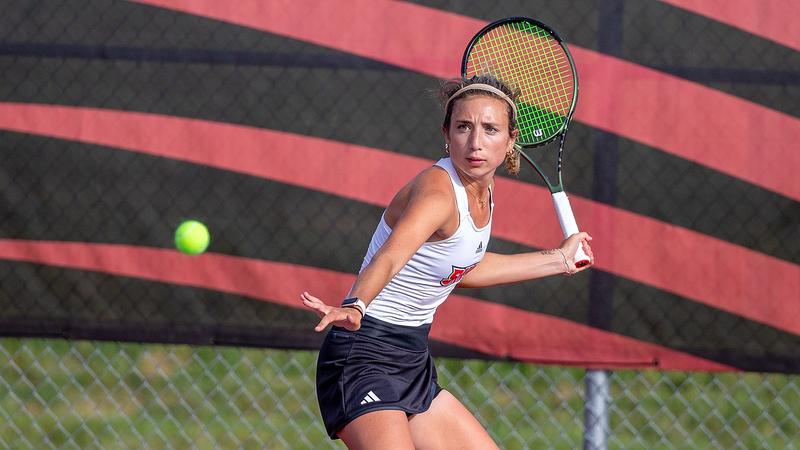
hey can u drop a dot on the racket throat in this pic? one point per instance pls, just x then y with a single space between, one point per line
554 184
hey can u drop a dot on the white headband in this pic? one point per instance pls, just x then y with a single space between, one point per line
488 88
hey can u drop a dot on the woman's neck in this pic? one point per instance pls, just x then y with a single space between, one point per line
477 189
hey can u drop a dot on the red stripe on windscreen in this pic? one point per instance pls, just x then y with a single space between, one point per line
720 131
495 329
775 20
671 258
289 158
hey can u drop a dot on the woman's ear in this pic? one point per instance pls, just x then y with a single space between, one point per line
513 139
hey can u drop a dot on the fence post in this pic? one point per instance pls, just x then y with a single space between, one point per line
595 426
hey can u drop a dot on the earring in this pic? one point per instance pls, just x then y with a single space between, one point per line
447 148
513 152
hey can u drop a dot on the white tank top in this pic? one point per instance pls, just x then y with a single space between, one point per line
412 296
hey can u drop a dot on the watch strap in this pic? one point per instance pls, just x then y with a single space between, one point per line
355 302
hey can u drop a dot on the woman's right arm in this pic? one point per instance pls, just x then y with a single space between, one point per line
429 208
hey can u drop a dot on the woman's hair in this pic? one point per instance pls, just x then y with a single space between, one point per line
452 86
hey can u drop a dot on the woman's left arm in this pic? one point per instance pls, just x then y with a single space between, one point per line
497 269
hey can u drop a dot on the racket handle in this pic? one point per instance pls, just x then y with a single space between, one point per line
568 225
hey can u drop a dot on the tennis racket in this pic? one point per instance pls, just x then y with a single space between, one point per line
530 56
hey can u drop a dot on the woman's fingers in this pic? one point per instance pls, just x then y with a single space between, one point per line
316 304
326 319
570 247
342 317
310 298
588 250
339 317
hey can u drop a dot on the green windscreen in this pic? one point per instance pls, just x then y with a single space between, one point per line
529 58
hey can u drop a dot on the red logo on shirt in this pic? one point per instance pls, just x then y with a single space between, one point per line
456 275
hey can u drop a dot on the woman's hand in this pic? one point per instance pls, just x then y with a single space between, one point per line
348 318
570 246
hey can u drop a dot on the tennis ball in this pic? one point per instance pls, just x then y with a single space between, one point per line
192 237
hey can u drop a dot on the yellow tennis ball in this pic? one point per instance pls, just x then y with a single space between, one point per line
192 237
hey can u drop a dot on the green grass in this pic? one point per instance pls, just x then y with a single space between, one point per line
68 394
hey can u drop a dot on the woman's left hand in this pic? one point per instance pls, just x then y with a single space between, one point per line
570 246
348 318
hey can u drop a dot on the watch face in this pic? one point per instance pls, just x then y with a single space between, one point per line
350 301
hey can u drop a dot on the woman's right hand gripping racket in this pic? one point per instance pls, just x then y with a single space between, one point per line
530 56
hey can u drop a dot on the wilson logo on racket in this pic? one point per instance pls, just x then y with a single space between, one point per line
456 275
538 132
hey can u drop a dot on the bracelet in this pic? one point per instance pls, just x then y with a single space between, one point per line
566 264
355 303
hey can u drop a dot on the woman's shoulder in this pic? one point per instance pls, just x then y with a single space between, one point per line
431 187
432 184
433 178
431 191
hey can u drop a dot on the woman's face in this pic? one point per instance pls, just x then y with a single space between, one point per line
478 136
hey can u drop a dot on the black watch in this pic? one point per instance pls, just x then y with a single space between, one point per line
356 303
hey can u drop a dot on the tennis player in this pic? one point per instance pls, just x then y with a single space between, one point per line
376 382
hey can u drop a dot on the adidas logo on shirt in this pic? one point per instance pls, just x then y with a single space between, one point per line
369 398
480 247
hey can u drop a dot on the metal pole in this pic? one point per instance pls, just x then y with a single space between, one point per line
595 427
609 40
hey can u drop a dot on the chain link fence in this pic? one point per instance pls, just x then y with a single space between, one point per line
79 394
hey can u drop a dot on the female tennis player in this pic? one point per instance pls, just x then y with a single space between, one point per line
376 383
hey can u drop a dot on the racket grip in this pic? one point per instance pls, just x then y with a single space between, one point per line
568 225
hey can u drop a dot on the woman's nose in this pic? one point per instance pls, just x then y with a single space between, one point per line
474 139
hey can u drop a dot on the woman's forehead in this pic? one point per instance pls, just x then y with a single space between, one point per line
482 103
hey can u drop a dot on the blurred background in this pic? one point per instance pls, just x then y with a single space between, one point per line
286 127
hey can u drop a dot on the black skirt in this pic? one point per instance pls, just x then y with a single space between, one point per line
380 366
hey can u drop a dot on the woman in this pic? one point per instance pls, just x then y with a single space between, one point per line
376 383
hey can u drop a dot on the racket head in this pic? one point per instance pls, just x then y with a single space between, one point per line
529 56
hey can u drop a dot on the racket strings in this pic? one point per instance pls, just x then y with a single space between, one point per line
528 57
544 83
546 58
